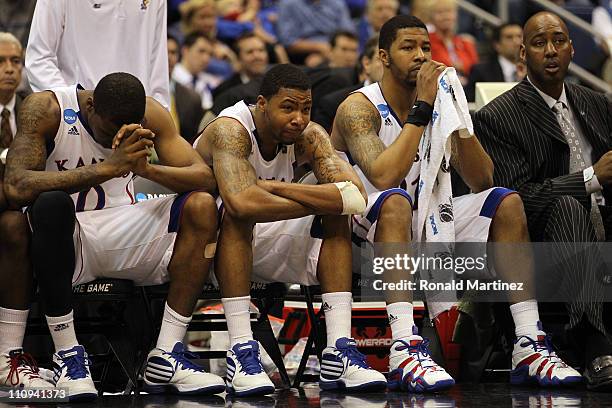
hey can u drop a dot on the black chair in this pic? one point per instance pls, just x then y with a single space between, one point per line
103 310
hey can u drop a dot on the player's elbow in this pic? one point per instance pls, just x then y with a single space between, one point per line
238 208
385 181
16 191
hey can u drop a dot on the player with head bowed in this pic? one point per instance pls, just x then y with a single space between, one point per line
72 164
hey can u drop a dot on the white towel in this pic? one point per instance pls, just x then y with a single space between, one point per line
435 194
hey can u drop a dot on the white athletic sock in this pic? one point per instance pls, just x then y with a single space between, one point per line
62 331
526 317
435 308
401 319
173 329
337 309
12 328
238 318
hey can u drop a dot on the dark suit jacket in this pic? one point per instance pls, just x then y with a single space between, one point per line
530 154
189 110
229 83
325 113
489 71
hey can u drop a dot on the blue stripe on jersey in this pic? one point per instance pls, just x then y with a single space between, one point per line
375 210
177 210
493 200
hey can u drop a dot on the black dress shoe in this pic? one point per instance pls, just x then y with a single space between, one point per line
598 374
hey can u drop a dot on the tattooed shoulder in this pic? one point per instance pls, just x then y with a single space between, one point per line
228 135
39 114
357 116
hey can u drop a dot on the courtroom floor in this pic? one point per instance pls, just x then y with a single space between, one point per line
462 395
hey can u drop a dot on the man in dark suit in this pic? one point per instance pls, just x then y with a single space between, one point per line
552 142
185 103
502 67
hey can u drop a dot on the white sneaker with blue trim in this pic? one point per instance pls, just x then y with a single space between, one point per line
174 372
245 373
344 367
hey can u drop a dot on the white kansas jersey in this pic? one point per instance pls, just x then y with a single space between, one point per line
390 128
75 147
281 166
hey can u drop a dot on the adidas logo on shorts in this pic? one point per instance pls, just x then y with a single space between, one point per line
73 131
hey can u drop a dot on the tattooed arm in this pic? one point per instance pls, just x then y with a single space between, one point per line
472 163
26 178
243 196
181 168
315 148
357 123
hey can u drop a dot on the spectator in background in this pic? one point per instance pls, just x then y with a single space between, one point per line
253 59
446 46
371 70
377 13
11 65
81 42
505 66
200 16
185 103
195 56
344 50
306 26
602 22
16 18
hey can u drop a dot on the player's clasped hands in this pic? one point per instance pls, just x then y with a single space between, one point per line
131 146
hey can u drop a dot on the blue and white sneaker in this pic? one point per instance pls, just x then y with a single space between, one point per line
534 361
245 374
71 369
174 372
412 369
343 367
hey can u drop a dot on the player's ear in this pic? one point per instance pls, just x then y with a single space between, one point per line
90 104
523 53
384 57
261 102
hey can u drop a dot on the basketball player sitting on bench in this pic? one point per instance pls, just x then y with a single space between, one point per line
270 230
86 225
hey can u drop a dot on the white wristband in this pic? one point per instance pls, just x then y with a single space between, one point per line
352 200
3 155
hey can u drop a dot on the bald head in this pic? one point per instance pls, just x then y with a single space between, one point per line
541 22
547 52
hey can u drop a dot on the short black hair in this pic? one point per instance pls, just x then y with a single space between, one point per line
120 98
342 33
193 38
388 31
497 31
283 76
371 47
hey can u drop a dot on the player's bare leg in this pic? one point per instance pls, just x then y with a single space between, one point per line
342 365
533 358
15 293
169 367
